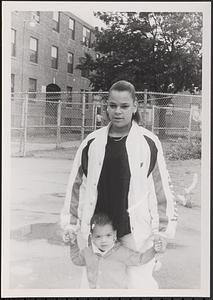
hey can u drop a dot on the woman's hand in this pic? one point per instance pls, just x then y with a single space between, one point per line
68 236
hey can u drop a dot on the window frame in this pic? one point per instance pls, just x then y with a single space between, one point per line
31 95
55 26
70 71
72 30
86 41
34 52
54 60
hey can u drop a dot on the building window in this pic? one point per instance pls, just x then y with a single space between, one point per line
86 36
54 57
70 59
12 83
36 16
32 88
72 28
33 50
69 96
56 21
13 42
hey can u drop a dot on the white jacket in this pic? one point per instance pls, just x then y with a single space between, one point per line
151 203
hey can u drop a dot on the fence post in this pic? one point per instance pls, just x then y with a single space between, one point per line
153 118
25 125
58 138
22 127
145 105
191 100
190 124
83 116
95 116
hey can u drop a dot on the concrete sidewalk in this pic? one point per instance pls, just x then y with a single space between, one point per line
35 146
38 257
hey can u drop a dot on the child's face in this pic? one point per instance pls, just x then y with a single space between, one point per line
103 236
120 108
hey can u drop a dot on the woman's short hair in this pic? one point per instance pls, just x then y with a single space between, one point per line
123 85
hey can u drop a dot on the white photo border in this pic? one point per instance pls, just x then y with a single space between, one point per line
205 8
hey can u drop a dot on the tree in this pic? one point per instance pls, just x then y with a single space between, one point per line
158 49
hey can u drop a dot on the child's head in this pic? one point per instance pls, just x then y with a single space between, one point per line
103 232
122 104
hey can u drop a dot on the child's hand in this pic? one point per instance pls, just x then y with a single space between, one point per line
159 243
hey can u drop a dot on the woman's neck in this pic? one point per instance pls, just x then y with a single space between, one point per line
115 131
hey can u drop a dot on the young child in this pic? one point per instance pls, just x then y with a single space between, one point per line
106 259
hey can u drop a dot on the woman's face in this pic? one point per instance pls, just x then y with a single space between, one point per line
120 108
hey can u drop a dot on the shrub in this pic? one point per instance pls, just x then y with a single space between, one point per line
183 150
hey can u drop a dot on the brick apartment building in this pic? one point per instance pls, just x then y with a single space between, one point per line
46 47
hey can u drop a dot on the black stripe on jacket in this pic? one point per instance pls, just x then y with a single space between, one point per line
154 152
84 157
158 184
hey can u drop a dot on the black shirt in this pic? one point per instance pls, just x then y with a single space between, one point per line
113 185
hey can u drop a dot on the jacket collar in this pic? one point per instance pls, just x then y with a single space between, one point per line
132 129
99 252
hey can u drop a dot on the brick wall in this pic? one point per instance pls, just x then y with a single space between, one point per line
42 71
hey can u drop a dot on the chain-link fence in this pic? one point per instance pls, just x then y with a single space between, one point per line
42 121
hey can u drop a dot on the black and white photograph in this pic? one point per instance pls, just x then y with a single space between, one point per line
106 149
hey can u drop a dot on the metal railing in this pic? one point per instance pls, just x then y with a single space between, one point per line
42 121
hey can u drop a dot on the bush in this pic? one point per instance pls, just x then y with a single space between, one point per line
183 150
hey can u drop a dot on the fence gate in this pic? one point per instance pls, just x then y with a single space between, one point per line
175 122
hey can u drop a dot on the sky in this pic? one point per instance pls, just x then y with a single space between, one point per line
84 10
87 16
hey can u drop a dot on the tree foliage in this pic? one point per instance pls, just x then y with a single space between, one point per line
158 50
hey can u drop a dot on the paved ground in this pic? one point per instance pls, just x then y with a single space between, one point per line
39 259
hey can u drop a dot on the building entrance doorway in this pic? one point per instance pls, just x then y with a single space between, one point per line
52 97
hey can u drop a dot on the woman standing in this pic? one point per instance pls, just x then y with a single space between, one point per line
120 170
